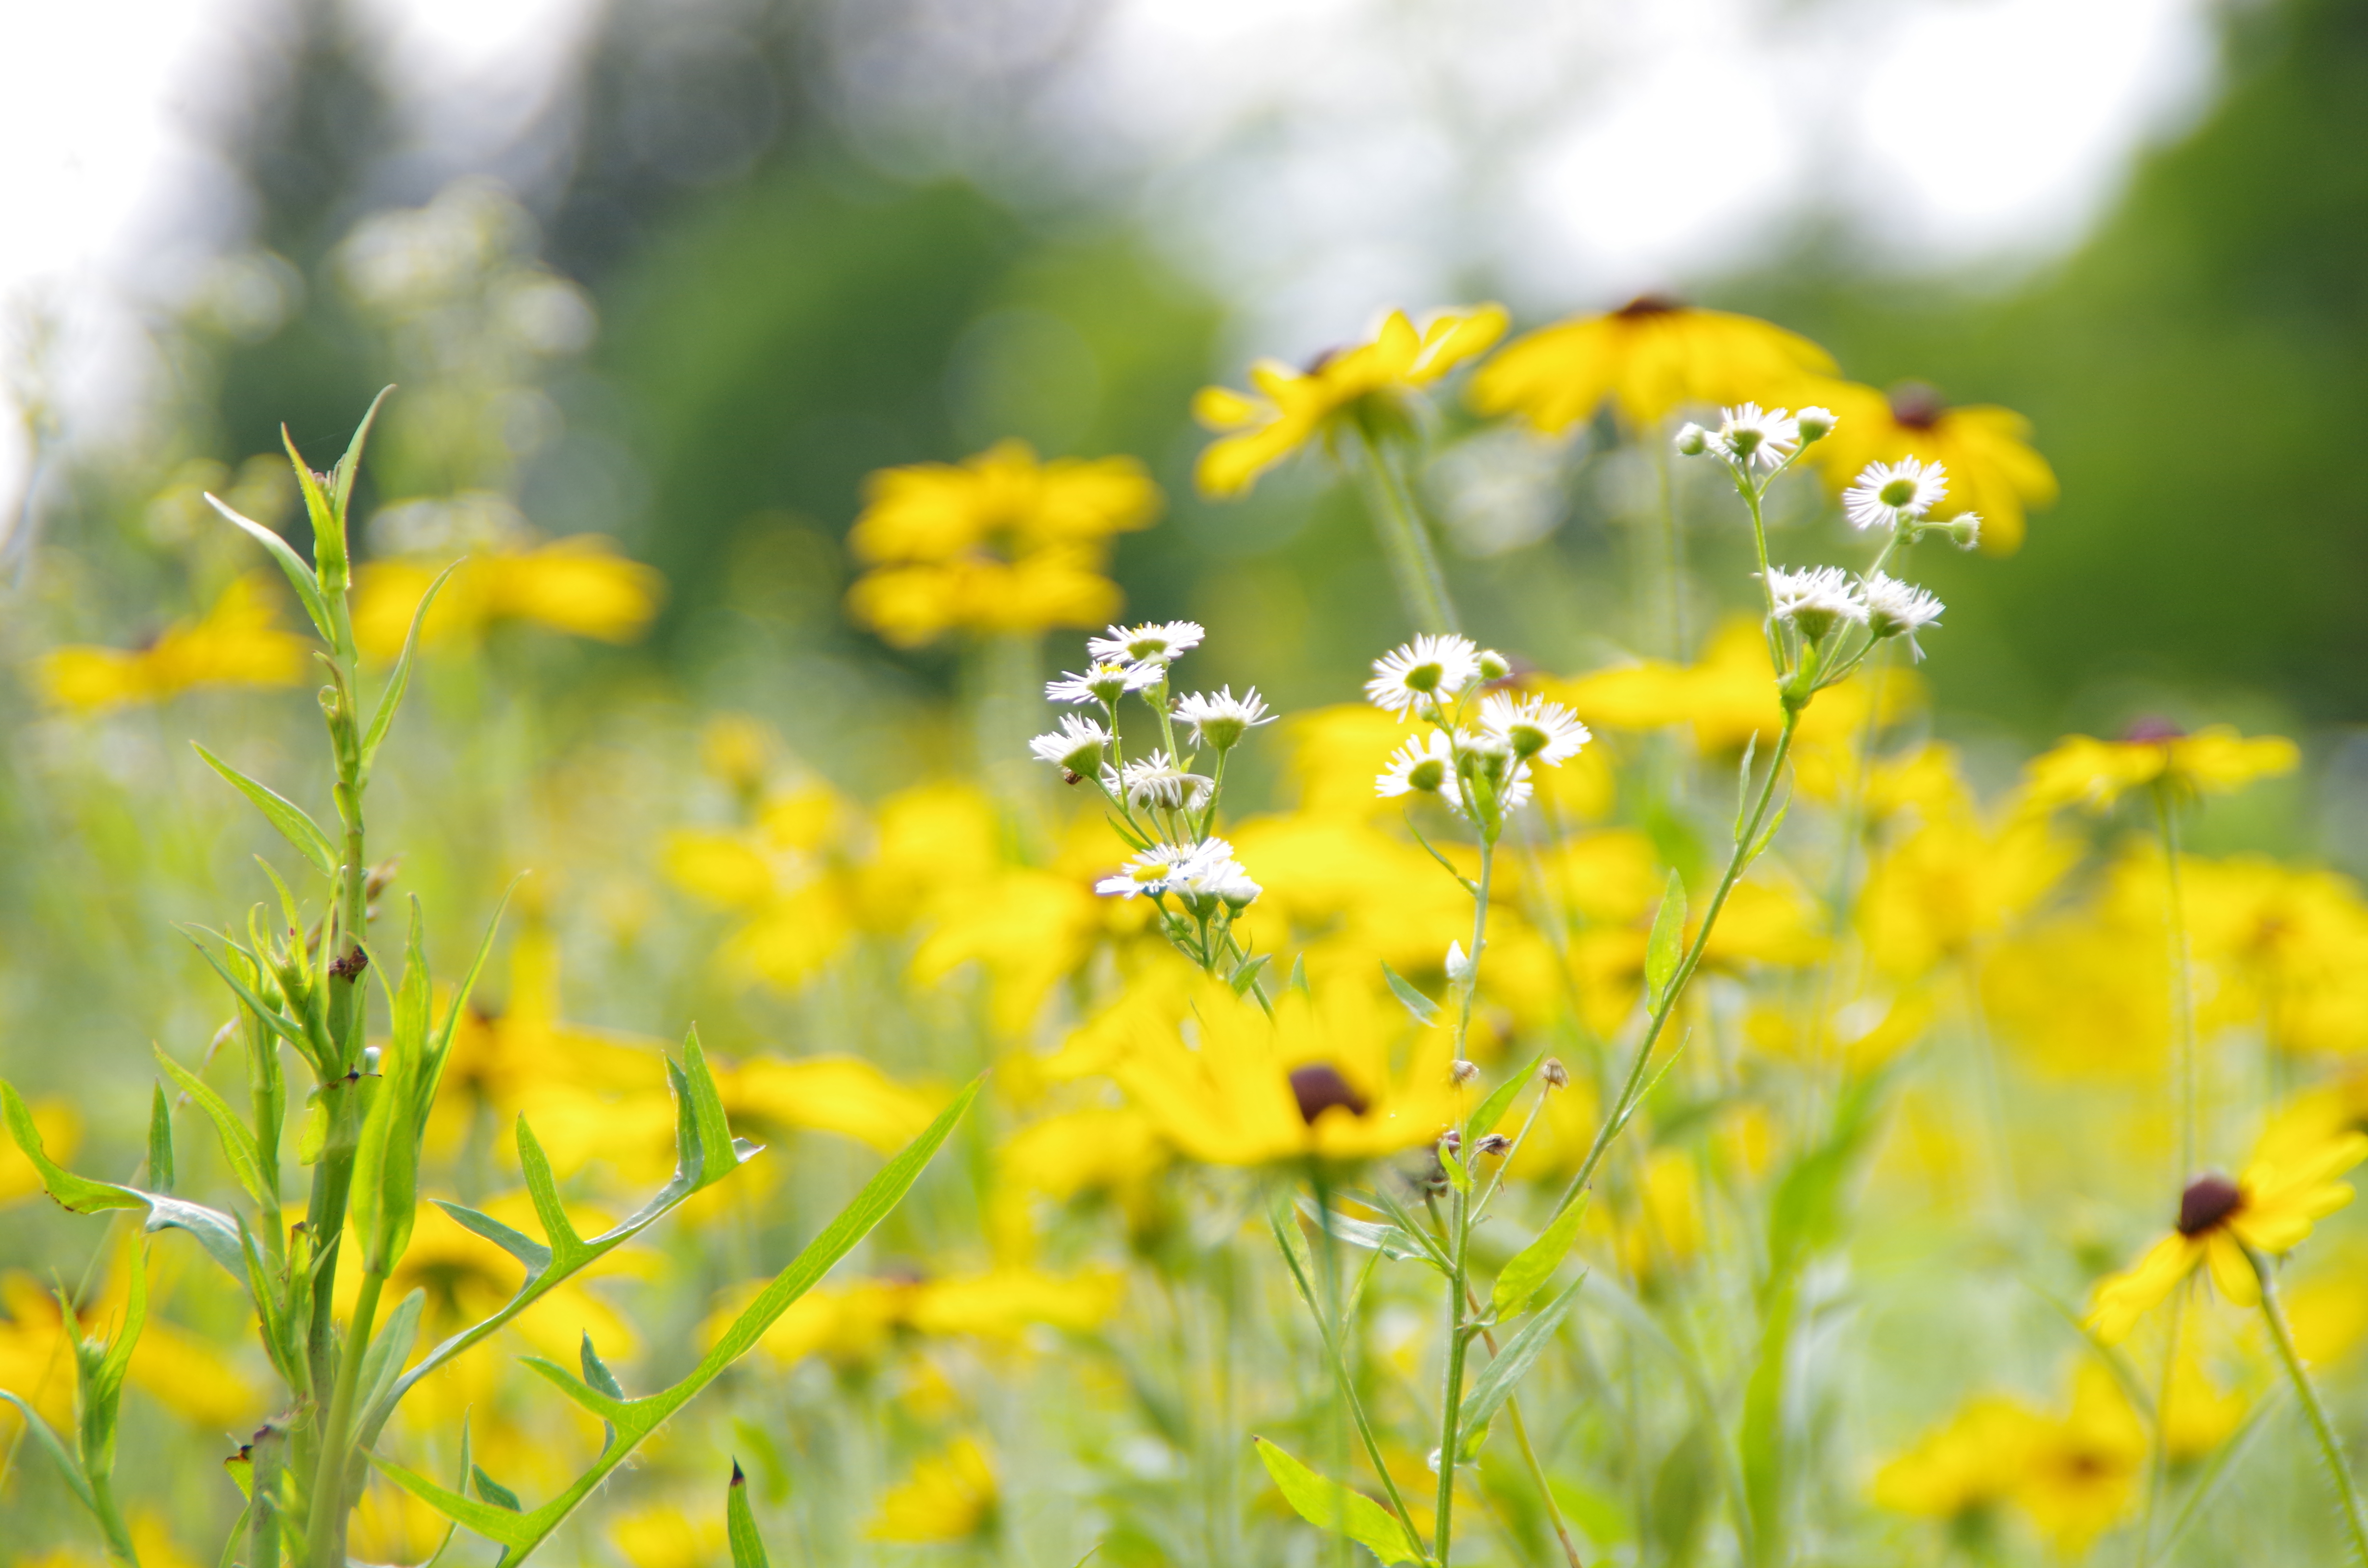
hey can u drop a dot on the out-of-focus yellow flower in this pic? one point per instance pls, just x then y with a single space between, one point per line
1027 929
2082 1471
236 642
1293 407
151 1537
1100 1148
2329 1311
2288 946
2079 997
468 1278
664 1536
186 1374
845 1095
580 585
952 1496
1316 1080
999 542
1974 1460
2289 1186
855 1322
1763 923
1650 357
1663 1232
1985 449
61 1128
2197 1414
1953 882
2083 770
1727 697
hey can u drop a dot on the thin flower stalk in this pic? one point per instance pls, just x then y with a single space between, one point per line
2322 1431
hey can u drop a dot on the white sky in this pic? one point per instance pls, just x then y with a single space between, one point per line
1316 159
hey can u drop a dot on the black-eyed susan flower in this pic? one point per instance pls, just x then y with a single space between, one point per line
2216 760
1647 359
950 1496
581 586
2080 1473
1367 383
1974 1460
1992 467
236 642
2288 1188
999 542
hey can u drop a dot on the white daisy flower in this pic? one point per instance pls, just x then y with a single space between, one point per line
1426 764
1156 643
1103 682
1895 608
1075 749
1537 730
1887 494
1163 869
1429 670
1159 780
1816 599
1749 434
1223 719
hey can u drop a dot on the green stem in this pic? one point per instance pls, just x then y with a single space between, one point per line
1479 939
1405 545
1658 1021
2184 1098
2158 1464
1452 1397
1673 553
325 1531
2329 1449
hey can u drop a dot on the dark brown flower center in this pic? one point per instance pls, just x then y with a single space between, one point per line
1318 1086
1649 306
1918 405
2153 729
2208 1201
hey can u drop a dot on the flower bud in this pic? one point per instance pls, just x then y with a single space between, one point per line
1465 1075
1964 529
1494 665
1495 1143
1460 968
1814 424
1556 1075
1692 440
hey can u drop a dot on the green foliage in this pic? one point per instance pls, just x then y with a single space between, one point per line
1328 1505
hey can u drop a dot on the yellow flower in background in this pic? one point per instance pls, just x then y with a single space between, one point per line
580 585
2081 1473
1953 882
855 1322
2288 946
664 1536
2085 771
999 542
2197 1414
1314 1081
2289 1186
1728 697
1663 1232
845 1095
61 1128
1100 1148
151 1537
2080 998
190 1376
1648 358
1292 407
1974 1460
952 1496
236 642
1985 449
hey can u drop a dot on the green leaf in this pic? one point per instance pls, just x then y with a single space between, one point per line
1678 1506
534 1166
349 466
282 813
699 1101
1387 1240
1425 1010
1743 785
1247 975
382 1362
533 1253
1457 1177
277 1022
1666 944
1531 1268
215 1231
740 1524
1328 1505
596 1370
494 1491
238 1145
160 1142
1299 978
55 1447
398 680
637 1419
1500 1099
1504 1373
300 575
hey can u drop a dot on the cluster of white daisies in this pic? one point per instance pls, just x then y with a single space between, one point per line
1476 758
1166 807
1897 497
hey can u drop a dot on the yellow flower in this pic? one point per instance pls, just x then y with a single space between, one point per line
2197 1415
1100 1148
2084 770
1954 882
1978 1458
579 585
1294 407
1992 469
662 1535
236 644
999 542
952 1496
2082 997
1650 357
2289 1186
1664 1231
2290 947
61 1128
1314 1082
1728 697
151 1537
2081 1473
854 1323
845 1095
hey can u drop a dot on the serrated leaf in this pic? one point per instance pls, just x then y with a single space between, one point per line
740 1524
238 1145
1666 944
160 1142
281 813
298 573
1328 1505
1504 1373
1425 1010
1531 1268
398 680
216 1231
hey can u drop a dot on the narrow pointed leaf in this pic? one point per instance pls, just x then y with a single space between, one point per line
300 575
1500 1099
382 1362
283 813
398 680
1425 1010
740 1524
55 1447
238 1144
351 465
1531 1267
1247 975
596 1370
494 1491
534 1166
1666 944
533 1253
1328 1505
1387 1240
216 1231
160 1142
1502 1375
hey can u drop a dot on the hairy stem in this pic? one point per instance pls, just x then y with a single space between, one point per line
2329 1449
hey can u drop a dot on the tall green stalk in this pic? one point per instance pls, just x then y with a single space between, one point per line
1405 543
2331 1448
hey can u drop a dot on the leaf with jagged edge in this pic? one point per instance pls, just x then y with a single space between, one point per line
740 1524
398 680
635 1419
1325 1503
295 824
300 575
215 1231
238 1145
698 1117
